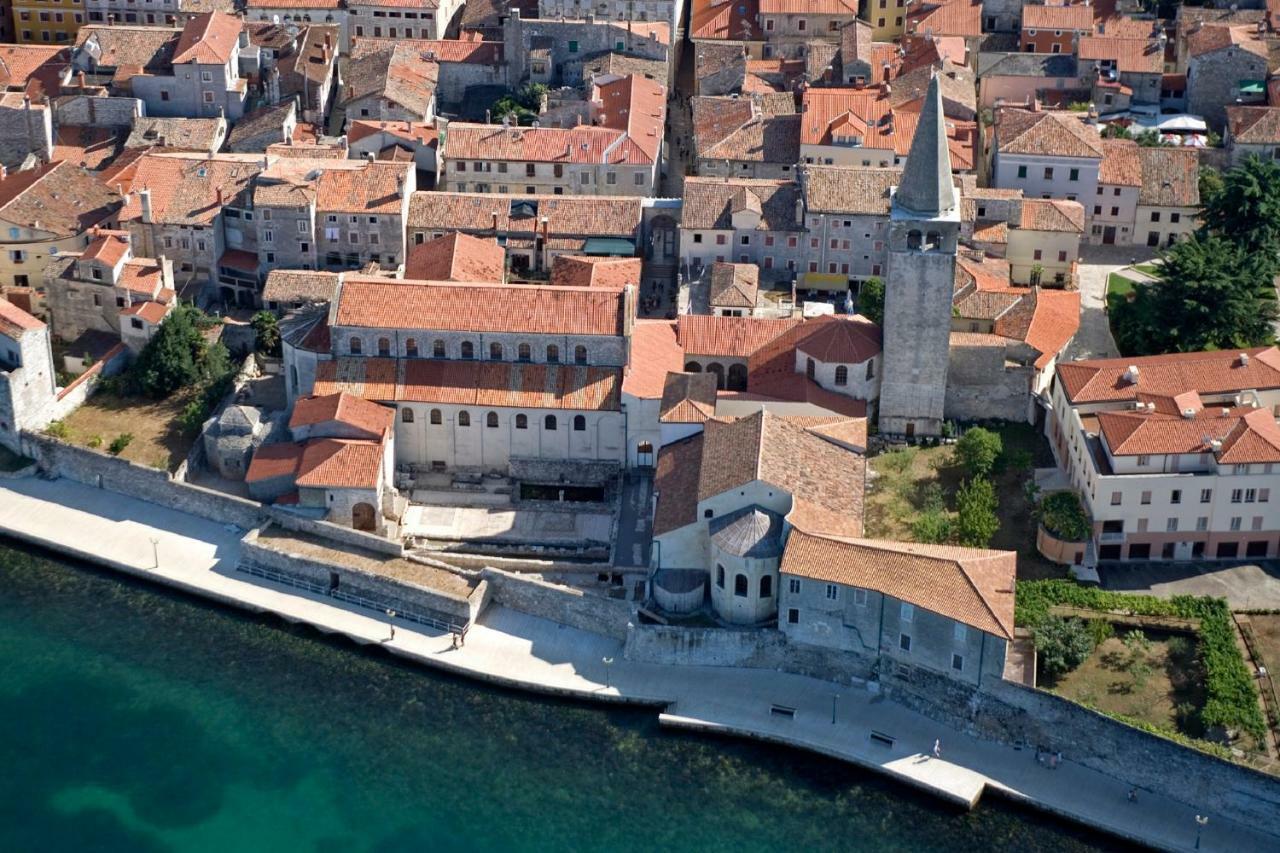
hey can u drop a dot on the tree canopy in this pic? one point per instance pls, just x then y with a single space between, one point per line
1246 210
976 506
871 300
1210 293
977 450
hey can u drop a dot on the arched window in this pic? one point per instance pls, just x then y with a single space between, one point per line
522 422
549 423
495 352
464 419
524 353
355 346
871 369
809 368
720 576
437 348
693 367
737 379
384 347
553 354
718 369
411 348
491 420
740 585
579 423
579 354
436 417
766 586
468 349
842 375
406 415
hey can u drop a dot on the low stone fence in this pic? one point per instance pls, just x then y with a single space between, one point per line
573 607
1013 713
760 649
83 465
338 578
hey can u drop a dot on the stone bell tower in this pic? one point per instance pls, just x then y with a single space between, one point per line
923 230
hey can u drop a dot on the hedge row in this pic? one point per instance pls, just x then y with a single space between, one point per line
1231 697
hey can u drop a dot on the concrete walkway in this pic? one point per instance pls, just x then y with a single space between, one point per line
522 651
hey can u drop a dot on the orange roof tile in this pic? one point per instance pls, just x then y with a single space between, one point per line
582 144
1078 18
207 39
733 20
688 398
1121 165
375 188
732 337
1130 55
734 285
1052 214
457 257
675 484
152 312
969 585
1034 132
655 352
946 18
592 271
838 340
636 105
1217 372
384 304
343 408
14 321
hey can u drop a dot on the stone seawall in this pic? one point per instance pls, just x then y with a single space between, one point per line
757 649
568 606
1011 713
114 474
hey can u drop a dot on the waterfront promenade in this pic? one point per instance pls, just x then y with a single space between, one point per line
521 651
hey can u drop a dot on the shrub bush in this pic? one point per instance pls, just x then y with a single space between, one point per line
119 443
57 429
1062 644
976 506
1231 697
1064 517
933 527
977 450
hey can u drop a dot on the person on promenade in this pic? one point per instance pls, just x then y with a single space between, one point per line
1133 795
937 748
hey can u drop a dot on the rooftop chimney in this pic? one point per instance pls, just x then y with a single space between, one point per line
144 199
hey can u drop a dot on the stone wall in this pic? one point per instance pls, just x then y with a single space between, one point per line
581 472
127 478
981 387
1008 712
759 649
410 601
566 605
97 111
25 128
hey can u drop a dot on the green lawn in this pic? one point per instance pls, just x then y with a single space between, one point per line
1118 286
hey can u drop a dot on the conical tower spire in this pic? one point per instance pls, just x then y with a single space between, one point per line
927 188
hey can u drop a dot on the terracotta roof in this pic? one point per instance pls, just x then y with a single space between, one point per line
120 46
83 145
591 271
265 120
414 132
397 74
733 20
289 286
345 409
311 63
837 189
869 115
808 7
392 304
1254 125
457 257
1217 372
946 18
207 39
14 321
968 585
490 384
59 197
1170 177
1078 18
957 83
1254 438
761 139
587 216
1235 435
1121 165
688 398
636 105
150 311
729 337
675 484
320 463
850 433
581 144
184 188
655 352
34 68
472 51
374 188
734 285
711 202
182 134
1052 214
108 247
1045 319
839 340
779 392
144 276
1045 133
825 481
1212 38
1130 55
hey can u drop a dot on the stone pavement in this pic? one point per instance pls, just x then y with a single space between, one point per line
523 651
1094 340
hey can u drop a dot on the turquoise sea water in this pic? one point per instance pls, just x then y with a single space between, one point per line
137 720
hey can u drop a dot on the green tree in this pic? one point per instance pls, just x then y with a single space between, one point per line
1062 644
1247 209
978 449
1137 663
1210 293
976 506
267 331
171 359
522 106
1210 184
1151 139
933 527
871 300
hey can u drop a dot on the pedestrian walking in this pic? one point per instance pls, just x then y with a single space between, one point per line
1133 795
937 748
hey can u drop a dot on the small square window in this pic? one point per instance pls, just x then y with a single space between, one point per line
904 642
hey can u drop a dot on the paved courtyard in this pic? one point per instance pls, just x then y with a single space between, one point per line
1096 264
452 523
1247 586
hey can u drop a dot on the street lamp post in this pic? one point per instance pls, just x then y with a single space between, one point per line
391 616
607 663
155 552
1201 822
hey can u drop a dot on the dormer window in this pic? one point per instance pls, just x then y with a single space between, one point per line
96 273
